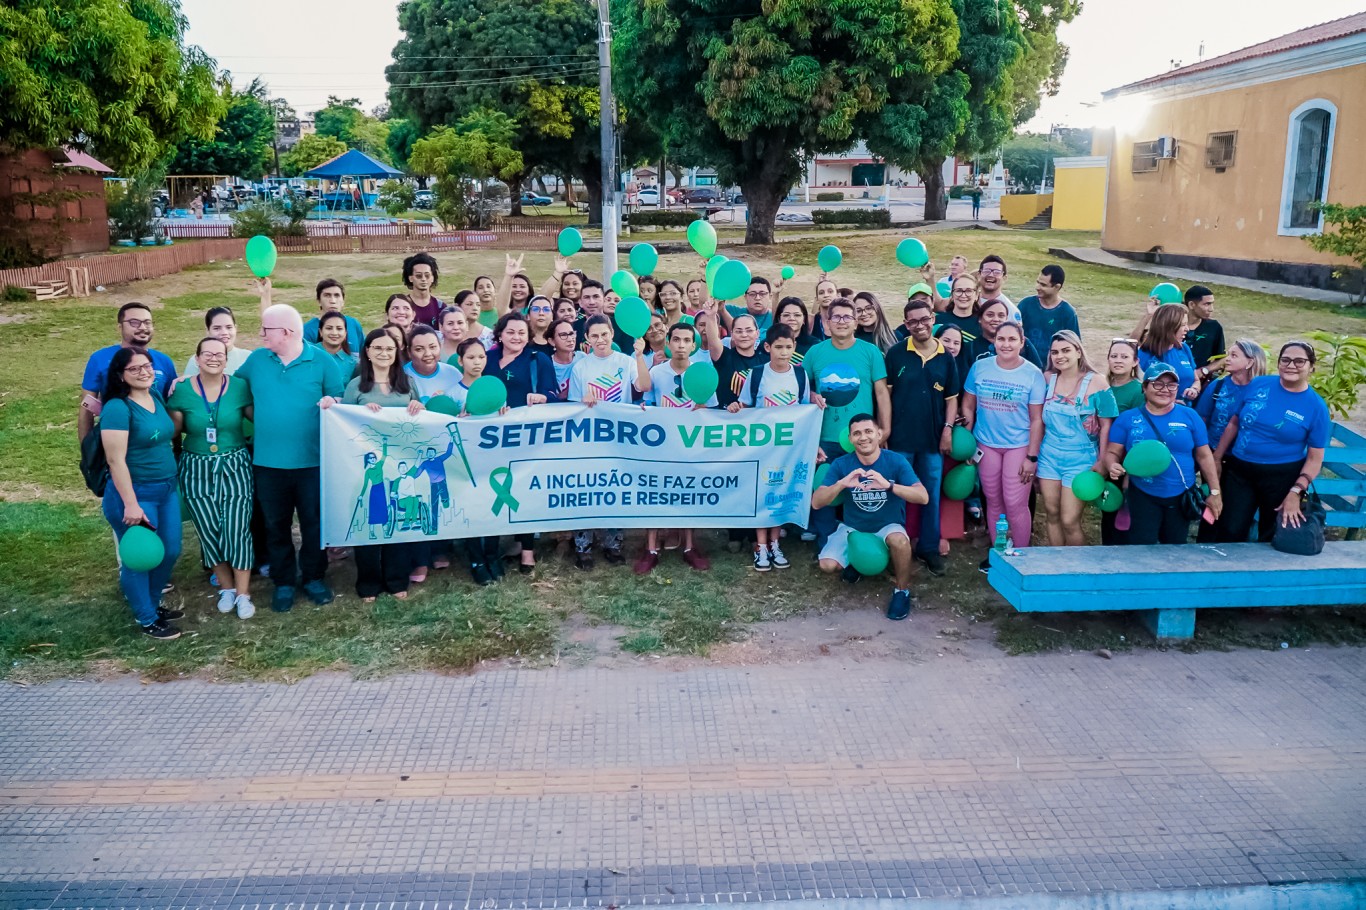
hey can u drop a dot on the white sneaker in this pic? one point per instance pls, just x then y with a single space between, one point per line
761 563
226 597
245 608
808 536
776 554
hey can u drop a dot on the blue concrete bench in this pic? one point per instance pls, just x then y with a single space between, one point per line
1342 484
1167 583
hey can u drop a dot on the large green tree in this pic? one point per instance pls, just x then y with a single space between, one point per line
344 121
751 86
309 152
534 61
477 147
243 146
1008 53
111 76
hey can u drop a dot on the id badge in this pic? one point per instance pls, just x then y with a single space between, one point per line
211 435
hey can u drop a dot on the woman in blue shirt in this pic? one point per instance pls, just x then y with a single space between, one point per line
1155 511
1223 397
1273 447
1165 342
136 433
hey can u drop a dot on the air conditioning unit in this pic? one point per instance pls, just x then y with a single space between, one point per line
1166 146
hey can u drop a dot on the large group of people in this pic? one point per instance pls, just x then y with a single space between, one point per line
235 435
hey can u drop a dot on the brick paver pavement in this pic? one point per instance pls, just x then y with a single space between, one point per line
598 787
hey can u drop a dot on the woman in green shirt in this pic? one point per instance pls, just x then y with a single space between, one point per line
215 471
1127 393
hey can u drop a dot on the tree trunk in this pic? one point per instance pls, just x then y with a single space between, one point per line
593 184
539 183
936 201
515 193
763 195
569 197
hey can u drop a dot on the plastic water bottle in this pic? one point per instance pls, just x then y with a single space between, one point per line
1002 533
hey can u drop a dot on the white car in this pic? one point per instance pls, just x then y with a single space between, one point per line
650 196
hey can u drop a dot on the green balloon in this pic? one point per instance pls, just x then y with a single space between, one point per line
960 482
1166 292
443 404
702 238
819 477
962 444
140 549
487 395
644 258
912 253
1088 486
788 273
732 280
700 381
845 442
1147 459
713 264
868 553
943 288
1112 498
569 242
633 317
261 255
829 258
625 284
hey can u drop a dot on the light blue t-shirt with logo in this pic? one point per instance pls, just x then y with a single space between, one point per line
1277 426
1003 400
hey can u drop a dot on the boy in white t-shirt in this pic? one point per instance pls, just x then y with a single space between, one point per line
605 375
666 391
775 384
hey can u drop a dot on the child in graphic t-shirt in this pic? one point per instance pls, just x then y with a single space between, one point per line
776 384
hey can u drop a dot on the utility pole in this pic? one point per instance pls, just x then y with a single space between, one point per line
608 106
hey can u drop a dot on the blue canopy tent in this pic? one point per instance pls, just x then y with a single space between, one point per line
356 164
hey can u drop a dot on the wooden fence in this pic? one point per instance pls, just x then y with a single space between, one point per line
135 265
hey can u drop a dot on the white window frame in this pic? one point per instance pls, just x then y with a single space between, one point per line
1288 180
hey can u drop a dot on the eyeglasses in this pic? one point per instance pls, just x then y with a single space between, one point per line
208 355
926 320
383 349
965 290
144 369
840 317
273 328
566 335
992 271
1164 386
756 293
1133 342
864 311
1296 362
138 323
678 387
539 309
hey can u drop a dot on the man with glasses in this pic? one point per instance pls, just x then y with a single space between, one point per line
135 330
992 273
758 303
924 384
1044 313
288 380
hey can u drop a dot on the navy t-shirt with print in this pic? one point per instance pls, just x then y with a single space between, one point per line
868 509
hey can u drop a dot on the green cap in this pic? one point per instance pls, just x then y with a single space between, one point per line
921 288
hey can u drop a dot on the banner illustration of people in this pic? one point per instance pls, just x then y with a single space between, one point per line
394 477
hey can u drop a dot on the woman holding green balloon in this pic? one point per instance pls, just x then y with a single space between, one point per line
1160 447
1076 429
136 432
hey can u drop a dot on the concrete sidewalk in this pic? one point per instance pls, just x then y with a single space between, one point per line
962 777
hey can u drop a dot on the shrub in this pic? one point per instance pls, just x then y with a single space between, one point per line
662 218
1341 370
130 206
273 218
1348 240
874 218
15 294
397 196
956 192
829 197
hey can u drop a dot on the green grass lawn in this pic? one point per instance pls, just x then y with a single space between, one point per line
63 614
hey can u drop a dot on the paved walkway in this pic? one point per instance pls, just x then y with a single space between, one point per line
1035 776
1192 276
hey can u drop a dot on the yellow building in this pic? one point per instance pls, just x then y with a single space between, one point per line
1213 166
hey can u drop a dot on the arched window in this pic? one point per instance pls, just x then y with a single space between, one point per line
1308 157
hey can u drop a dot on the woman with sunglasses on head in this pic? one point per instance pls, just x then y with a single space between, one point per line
1223 398
1273 448
1076 428
873 326
564 281
136 432
210 409
222 324
1165 342
1124 392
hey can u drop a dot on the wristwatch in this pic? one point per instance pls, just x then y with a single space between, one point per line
1033 458
1297 489
1214 492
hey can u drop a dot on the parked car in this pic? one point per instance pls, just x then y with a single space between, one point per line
650 196
536 199
424 199
697 194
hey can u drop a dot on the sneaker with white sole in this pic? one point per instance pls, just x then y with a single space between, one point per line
775 553
245 608
808 536
761 563
226 600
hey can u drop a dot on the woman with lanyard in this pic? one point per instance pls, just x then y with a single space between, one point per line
1273 448
1003 407
383 383
222 324
530 379
1157 509
1076 428
791 312
136 432
1223 398
1165 342
210 409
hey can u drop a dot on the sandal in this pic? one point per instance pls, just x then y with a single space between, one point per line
418 578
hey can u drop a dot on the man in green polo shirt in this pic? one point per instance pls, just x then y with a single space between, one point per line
288 380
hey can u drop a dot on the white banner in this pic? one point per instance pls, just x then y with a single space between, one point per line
389 477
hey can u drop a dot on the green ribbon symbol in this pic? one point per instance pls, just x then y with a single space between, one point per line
500 479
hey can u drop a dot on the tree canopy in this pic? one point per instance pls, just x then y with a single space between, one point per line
751 88
243 144
477 147
310 151
347 123
113 77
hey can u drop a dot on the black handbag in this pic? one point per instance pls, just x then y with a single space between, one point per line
1192 501
1307 539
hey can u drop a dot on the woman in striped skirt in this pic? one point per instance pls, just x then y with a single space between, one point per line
215 471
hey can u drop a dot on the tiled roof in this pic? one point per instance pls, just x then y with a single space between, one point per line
1315 34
